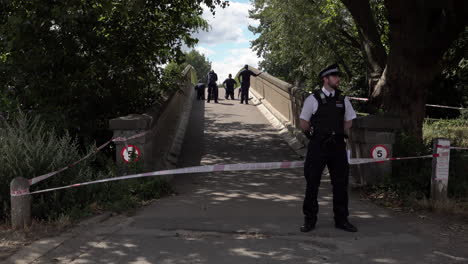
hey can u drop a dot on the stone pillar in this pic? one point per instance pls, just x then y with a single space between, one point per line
141 147
367 133
440 169
20 205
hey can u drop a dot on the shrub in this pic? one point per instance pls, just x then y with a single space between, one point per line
411 177
457 131
29 148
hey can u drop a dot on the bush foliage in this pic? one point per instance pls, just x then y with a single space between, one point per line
413 177
457 131
29 148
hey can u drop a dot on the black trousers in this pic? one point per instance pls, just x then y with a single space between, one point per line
322 152
245 93
212 92
200 94
229 93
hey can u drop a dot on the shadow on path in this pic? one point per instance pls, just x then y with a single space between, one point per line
253 216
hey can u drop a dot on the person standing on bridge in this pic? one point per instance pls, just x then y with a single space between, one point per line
212 86
200 88
244 78
325 118
229 84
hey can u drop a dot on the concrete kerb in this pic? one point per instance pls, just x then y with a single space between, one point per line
286 130
39 248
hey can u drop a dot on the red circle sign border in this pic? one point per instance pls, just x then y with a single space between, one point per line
127 146
376 146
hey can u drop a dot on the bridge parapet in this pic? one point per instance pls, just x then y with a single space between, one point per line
163 127
285 102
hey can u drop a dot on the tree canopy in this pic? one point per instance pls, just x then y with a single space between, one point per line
80 62
201 64
396 49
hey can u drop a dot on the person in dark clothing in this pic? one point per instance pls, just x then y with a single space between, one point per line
200 88
212 86
325 118
244 78
229 84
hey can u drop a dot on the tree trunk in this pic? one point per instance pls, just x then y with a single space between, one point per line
420 33
374 52
401 92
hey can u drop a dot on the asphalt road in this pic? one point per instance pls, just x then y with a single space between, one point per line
253 217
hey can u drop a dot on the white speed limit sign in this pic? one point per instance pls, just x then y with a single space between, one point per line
379 152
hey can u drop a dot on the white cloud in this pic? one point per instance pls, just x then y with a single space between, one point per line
207 52
233 62
227 25
227 42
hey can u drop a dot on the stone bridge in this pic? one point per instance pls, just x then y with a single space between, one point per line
247 216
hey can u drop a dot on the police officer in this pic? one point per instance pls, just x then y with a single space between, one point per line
325 118
212 86
229 83
200 88
244 77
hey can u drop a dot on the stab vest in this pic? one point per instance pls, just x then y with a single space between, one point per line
329 118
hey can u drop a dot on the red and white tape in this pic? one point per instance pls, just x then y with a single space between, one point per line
444 106
50 174
196 169
449 147
216 168
430 105
357 161
358 99
458 148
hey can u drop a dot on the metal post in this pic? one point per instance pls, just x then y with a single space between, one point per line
20 204
440 169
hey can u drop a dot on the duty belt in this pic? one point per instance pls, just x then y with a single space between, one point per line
329 138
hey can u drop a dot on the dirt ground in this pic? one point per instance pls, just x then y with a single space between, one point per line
11 240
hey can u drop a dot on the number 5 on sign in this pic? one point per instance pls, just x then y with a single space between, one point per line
130 153
379 152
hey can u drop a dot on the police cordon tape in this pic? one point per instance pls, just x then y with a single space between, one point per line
431 105
220 167
50 174
458 148
448 147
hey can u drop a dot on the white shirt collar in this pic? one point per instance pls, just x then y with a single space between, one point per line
327 93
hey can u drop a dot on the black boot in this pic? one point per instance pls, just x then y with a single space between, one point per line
345 225
309 225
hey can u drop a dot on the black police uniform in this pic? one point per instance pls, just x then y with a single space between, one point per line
229 82
212 87
327 147
244 77
200 88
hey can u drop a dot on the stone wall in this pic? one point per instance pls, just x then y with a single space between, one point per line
164 126
285 101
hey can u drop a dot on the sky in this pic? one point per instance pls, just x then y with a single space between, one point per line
227 43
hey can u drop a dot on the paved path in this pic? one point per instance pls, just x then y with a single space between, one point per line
252 217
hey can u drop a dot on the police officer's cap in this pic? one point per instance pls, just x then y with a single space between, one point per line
330 70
